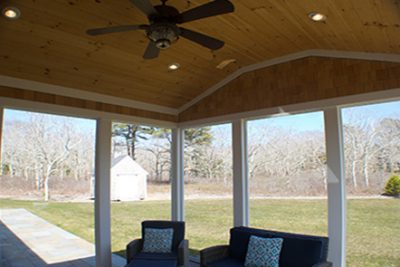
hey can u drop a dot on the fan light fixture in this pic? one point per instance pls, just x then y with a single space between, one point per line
163 34
11 12
318 17
174 66
163 30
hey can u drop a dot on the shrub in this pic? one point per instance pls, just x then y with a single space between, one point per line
392 187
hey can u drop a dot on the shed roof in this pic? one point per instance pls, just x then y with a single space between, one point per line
125 159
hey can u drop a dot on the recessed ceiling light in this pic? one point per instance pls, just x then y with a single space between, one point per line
11 12
174 66
315 16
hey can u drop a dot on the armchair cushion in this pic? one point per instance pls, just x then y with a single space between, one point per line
144 259
156 256
158 240
152 263
227 262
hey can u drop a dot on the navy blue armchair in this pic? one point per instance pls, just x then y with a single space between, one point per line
179 255
297 250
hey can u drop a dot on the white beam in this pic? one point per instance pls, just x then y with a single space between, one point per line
102 193
240 174
336 187
177 186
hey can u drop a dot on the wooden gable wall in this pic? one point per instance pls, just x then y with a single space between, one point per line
303 80
46 98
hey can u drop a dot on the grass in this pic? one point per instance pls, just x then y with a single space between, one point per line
373 224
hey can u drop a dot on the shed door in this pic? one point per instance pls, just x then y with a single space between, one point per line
127 187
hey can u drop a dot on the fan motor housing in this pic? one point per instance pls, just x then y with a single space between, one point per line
165 14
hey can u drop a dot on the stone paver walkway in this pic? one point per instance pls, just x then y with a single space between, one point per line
30 241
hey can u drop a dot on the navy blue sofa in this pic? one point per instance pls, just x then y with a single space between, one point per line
179 255
297 250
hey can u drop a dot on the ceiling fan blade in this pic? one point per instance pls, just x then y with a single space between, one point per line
152 51
213 8
116 29
145 6
202 39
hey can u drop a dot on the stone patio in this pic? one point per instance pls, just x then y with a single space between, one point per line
27 240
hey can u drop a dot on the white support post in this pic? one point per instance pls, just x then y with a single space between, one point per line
102 193
240 174
1 138
177 186
336 187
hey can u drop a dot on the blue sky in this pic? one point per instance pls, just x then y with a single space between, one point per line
84 125
301 122
314 121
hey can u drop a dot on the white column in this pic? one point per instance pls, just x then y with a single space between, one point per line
1 138
336 187
240 174
177 186
102 193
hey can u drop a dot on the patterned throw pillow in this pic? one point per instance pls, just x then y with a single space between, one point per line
263 252
158 240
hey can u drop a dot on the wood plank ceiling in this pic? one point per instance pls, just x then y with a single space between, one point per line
49 44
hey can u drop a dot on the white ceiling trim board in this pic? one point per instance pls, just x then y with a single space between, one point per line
80 94
307 53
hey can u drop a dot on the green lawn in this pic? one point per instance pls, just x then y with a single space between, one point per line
373 225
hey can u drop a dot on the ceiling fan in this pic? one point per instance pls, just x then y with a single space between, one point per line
162 30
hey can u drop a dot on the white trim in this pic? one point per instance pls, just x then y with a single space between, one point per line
33 106
291 57
240 174
82 94
336 186
373 97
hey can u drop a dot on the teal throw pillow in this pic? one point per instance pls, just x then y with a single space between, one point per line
158 240
263 252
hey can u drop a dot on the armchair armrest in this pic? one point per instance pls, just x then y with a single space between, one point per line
323 264
132 249
211 254
183 253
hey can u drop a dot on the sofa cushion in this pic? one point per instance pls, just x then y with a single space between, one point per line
263 252
158 240
297 250
227 262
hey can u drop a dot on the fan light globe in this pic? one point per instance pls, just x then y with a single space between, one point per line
163 43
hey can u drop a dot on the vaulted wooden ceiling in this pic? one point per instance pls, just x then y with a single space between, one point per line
49 44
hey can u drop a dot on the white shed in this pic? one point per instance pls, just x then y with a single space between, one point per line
128 179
